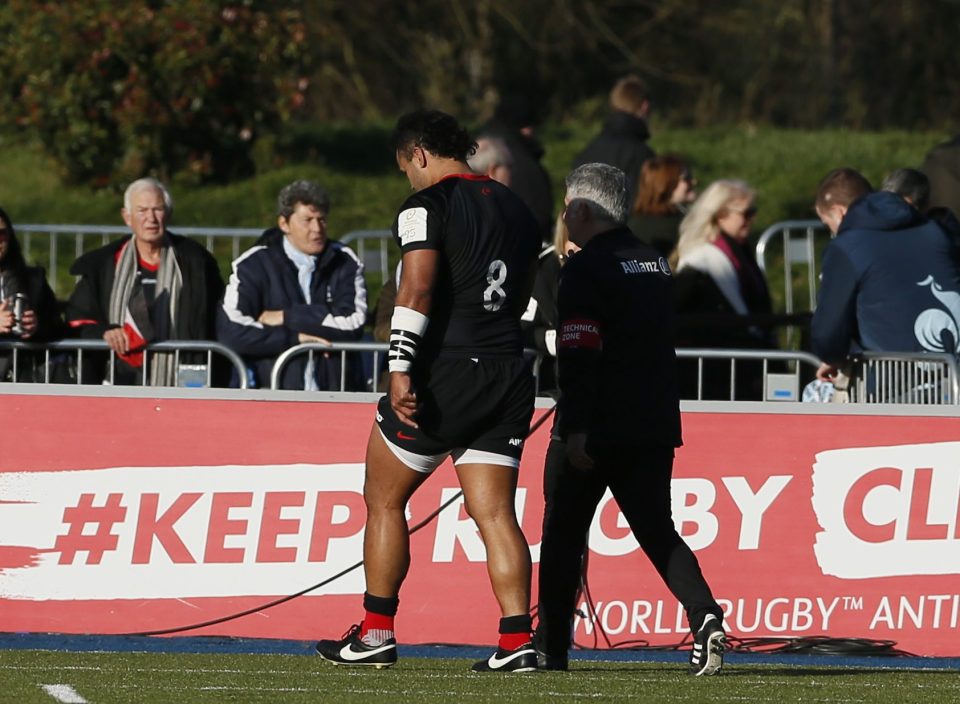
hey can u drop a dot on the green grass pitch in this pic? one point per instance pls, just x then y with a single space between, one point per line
152 678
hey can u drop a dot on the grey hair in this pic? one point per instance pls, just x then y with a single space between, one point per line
603 187
147 184
304 192
911 185
491 152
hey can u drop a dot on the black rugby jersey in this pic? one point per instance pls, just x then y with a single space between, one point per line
488 242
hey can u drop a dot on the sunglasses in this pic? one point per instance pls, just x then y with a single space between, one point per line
747 213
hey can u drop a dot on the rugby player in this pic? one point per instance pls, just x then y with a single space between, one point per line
459 385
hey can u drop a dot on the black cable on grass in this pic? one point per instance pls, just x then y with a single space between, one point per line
810 645
302 592
806 645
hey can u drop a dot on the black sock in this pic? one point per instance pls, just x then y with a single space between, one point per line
384 605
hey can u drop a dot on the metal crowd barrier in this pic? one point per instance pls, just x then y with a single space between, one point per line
926 378
908 378
777 386
378 349
187 374
798 241
374 258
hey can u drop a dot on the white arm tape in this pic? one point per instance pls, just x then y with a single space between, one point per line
406 331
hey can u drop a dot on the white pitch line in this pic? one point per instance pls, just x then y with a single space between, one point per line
64 693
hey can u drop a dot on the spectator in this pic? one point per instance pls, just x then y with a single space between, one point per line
942 167
722 298
514 122
618 419
623 140
40 320
493 159
665 192
296 285
888 281
163 287
539 321
911 185
914 187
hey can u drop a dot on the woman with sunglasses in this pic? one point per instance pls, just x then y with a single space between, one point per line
722 296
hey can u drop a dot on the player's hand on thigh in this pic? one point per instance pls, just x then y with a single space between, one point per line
403 400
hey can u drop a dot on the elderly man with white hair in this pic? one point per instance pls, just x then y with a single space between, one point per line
149 286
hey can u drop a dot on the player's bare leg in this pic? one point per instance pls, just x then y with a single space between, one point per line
387 487
489 492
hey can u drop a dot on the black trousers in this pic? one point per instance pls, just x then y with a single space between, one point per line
639 478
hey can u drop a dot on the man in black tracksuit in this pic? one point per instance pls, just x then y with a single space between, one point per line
619 416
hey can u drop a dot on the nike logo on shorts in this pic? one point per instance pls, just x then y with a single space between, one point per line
403 436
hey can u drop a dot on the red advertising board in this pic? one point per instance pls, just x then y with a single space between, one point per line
125 515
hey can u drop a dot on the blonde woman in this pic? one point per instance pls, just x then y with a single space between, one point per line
721 294
539 322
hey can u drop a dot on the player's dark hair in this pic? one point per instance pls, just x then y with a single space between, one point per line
436 132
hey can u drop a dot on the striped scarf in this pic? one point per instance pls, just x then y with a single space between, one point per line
169 284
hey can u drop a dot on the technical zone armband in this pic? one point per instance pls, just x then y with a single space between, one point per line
579 333
406 331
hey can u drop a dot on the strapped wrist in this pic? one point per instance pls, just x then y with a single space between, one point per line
406 332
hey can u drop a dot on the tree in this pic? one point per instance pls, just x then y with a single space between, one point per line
117 90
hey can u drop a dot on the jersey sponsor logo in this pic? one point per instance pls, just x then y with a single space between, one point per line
580 333
634 266
412 226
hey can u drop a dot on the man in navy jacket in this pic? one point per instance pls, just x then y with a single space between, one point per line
295 285
889 281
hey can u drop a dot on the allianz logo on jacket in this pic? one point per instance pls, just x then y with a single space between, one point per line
635 266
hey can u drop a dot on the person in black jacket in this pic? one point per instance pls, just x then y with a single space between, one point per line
150 286
618 419
942 167
623 140
296 285
40 320
539 321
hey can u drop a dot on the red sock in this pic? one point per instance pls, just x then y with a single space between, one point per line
512 641
378 622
